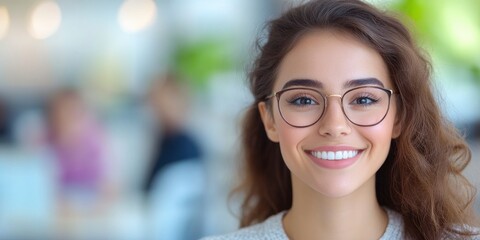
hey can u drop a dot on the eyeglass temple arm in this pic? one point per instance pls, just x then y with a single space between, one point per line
270 96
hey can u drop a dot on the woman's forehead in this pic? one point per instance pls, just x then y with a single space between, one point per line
333 58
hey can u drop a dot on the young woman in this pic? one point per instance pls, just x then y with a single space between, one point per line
344 139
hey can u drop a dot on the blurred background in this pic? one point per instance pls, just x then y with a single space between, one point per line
119 118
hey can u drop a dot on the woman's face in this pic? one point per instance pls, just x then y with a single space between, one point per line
334 157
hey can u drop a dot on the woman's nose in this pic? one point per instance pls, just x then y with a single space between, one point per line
333 122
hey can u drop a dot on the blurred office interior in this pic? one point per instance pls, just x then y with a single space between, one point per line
107 56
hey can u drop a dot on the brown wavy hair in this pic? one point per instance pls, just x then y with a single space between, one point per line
421 177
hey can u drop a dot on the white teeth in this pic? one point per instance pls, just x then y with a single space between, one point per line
332 156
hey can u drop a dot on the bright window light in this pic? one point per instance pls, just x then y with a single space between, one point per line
136 15
4 21
45 20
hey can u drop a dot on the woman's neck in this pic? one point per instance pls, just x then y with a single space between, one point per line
356 216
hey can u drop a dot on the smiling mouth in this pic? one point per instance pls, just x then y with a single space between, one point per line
335 155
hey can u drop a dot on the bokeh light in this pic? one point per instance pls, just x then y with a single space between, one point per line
136 15
45 20
4 21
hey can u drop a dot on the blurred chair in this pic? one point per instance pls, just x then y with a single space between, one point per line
26 195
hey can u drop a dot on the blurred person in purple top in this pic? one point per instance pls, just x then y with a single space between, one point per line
76 142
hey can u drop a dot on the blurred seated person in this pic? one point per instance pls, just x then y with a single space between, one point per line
174 180
77 143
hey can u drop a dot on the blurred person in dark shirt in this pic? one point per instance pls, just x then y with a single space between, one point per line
168 100
173 185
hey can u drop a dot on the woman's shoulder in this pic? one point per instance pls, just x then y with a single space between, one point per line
395 229
475 231
270 229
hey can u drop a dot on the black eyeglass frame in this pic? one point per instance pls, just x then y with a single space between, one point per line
278 94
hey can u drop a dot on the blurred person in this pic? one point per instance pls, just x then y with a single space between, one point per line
5 124
77 144
168 100
173 185
345 139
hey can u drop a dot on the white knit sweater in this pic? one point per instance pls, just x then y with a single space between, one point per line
272 229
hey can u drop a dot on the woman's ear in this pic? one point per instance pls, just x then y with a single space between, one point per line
268 122
397 125
397 128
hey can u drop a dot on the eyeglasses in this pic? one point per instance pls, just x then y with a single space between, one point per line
363 106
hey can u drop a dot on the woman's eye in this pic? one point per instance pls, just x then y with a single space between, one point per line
364 101
303 101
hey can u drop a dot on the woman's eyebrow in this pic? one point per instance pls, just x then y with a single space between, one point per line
303 83
317 84
363 81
